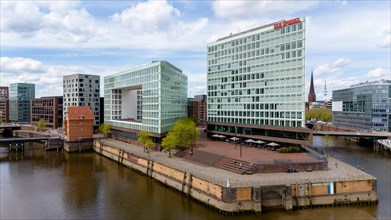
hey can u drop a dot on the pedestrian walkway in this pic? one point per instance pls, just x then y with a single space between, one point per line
337 170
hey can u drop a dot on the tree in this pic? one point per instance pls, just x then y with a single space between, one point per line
41 124
169 142
182 134
104 129
1 119
144 138
323 114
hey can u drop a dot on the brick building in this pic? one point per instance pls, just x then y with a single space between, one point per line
48 108
4 104
78 123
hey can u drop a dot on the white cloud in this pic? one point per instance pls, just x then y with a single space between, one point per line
337 66
76 26
148 17
60 20
48 78
386 39
20 17
242 9
20 65
377 73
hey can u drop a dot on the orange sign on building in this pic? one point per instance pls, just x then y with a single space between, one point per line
78 123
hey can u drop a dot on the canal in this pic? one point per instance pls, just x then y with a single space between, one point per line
54 185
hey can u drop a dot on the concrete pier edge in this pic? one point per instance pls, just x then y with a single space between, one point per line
232 197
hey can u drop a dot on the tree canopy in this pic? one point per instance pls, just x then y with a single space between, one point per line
144 138
104 129
182 134
41 124
323 114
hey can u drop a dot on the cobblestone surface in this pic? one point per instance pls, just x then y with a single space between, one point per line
338 170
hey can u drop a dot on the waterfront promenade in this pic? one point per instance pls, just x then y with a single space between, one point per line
337 170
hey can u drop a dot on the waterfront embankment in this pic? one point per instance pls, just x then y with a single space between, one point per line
229 192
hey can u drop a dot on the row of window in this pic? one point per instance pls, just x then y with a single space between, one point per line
258 37
272 122
258 67
255 52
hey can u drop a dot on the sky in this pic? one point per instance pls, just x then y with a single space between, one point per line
347 42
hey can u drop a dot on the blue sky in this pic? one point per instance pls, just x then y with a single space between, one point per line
347 42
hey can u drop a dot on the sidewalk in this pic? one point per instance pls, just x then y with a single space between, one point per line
339 172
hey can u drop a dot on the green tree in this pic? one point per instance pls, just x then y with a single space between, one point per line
323 114
182 134
1 119
144 138
104 129
41 124
169 142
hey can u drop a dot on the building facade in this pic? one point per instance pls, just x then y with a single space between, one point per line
199 109
4 104
78 123
19 101
150 98
82 90
365 106
48 108
256 81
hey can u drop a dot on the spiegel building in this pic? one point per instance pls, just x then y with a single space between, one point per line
150 98
256 83
365 106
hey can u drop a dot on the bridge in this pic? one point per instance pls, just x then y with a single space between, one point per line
28 139
374 135
10 126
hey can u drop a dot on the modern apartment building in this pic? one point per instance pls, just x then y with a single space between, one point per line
19 101
255 83
82 90
4 104
48 108
150 97
199 109
365 106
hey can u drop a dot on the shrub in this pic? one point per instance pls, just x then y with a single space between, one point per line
290 149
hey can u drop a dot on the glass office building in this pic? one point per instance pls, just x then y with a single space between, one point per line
151 98
365 106
256 81
19 101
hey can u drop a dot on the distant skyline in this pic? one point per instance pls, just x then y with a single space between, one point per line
347 42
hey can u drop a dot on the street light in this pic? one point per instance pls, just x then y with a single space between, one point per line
241 144
235 136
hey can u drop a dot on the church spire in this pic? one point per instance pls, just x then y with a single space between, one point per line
311 94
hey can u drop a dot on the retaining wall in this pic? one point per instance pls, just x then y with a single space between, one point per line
246 199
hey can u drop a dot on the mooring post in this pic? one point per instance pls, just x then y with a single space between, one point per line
79 144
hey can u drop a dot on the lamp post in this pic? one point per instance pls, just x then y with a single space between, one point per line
235 136
241 144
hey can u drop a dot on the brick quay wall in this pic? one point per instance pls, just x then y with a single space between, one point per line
229 192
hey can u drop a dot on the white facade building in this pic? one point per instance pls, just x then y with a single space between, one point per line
257 78
82 90
147 98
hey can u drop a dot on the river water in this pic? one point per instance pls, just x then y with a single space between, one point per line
54 185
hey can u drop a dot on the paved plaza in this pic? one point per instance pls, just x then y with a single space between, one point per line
337 170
